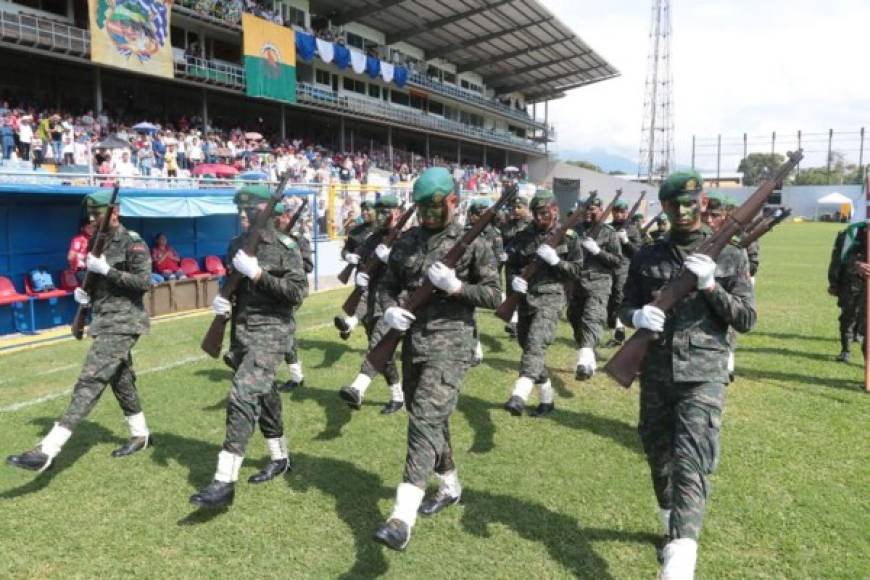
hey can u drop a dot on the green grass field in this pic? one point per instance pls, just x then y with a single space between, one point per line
568 496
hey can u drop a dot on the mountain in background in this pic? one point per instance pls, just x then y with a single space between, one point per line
600 157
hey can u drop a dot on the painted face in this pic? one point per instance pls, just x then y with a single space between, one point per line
620 215
684 212
545 216
384 217
368 215
593 212
434 214
715 218
520 211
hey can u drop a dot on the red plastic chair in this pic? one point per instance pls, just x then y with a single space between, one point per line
190 267
68 280
215 266
8 293
56 293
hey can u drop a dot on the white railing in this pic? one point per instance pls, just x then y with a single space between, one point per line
210 72
29 30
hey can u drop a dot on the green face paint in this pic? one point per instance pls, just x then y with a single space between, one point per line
684 212
432 215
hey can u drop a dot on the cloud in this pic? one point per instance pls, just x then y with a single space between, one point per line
739 66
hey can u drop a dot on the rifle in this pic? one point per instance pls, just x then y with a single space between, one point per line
344 275
636 205
373 263
383 351
764 226
297 215
649 224
213 340
78 324
625 364
506 310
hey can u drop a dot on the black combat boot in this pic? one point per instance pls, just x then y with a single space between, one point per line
660 547
343 327
583 373
271 471
437 502
290 385
511 329
217 494
515 405
133 445
352 397
230 360
394 534
34 460
543 409
392 407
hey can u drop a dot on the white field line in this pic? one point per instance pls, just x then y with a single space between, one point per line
47 372
56 395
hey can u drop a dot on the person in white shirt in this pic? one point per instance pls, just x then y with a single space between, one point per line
123 167
25 136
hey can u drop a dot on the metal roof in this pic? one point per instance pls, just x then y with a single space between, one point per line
515 45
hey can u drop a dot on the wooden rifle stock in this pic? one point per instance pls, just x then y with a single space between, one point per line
765 226
625 364
373 263
383 351
213 341
636 205
77 328
649 224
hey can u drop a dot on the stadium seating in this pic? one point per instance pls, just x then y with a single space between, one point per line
8 293
215 266
68 280
190 267
29 291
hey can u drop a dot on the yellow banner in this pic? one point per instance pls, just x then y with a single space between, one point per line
132 34
263 39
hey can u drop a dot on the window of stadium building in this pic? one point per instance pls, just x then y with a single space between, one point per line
375 91
354 85
470 86
293 15
400 98
418 102
322 77
436 108
53 6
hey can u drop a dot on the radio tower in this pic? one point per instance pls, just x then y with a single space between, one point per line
657 131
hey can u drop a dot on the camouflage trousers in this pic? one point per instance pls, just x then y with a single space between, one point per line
108 362
853 314
587 313
679 429
536 330
254 398
292 356
431 393
616 295
375 331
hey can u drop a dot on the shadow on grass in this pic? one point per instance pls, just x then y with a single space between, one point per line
338 414
198 457
790 336
356 493
791 378
332 351
567 542
794 353
86 436
216 375
490 344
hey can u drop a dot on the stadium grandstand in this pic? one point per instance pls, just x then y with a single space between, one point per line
321 88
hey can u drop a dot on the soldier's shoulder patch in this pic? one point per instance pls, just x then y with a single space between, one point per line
134 236
288 242
138 247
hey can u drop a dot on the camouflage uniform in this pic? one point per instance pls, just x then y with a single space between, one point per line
264 326
587 308
844 276
628 250
375 329
540 309
352 245
684 374
508 232
438 348
292 356
118 319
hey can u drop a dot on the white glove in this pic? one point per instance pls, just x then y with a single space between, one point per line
444 278
398 318
97 265
352 259
502 257
548 254
362 280
704 268
221 306
247 265
623 236
591 246
81 297
649 317
383 253
519 284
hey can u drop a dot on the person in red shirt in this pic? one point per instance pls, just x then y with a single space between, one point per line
78 248
165 259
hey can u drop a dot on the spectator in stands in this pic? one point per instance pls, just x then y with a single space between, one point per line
25 136
171 160
7 138
78 248
68 141
165 260
56 133
124 167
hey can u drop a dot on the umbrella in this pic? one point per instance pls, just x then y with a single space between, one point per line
113 142
145 127
253 176
253 136
216 169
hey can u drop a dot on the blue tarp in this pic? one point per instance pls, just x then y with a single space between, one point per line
305 45
342 56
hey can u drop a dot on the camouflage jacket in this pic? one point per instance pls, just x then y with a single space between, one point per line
116 298
550 279
635 240
492 235
598 269
444 326
694 345
511 228
751 253
376 277
355 237
845 275
282 286
304 249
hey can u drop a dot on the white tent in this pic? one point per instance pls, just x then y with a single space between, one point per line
836 199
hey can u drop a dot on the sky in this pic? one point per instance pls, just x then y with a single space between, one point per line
753 66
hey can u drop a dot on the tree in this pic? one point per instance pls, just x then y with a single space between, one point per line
586 165
617 172
756 166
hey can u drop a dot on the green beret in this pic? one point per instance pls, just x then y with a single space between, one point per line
542 197
366 204
662 219
638 217
479 205
387 201
252 195
730 202
280 208
595 202
98 199
716 200
681 183
620 204
434 184
521 201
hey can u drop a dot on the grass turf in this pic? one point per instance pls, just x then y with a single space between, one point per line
560 497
